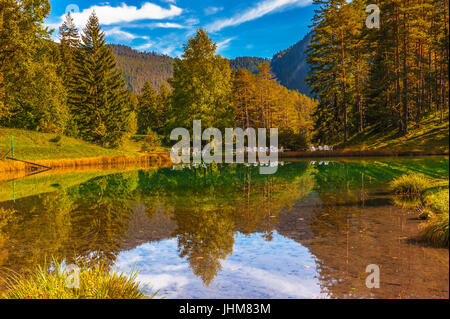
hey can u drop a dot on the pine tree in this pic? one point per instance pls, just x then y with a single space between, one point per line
69 43
101 105
147 110
164 108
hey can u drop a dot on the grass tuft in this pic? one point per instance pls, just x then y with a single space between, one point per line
95 282
431 200
435 230
414 184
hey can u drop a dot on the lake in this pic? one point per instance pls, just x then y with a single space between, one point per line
225 231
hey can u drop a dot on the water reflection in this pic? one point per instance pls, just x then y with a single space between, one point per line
281 269
226 231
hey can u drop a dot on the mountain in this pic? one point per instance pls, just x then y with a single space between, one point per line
291 68
139 67
246 62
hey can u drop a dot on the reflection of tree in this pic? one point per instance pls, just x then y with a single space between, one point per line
39 230
210 204
85 221
259 202
205 236
6 216
100 218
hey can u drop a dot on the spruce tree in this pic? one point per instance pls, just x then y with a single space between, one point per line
100 103
147 110
69 43
164 107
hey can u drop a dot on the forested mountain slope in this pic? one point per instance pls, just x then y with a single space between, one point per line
139 67
291 68
249 63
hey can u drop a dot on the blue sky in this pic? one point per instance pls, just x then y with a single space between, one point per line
241 28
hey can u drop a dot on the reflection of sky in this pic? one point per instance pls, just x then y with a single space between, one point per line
281 268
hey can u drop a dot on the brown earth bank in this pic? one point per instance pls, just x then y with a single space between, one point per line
153 159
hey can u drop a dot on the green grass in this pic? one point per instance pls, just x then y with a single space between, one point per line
428 137
437 200
413 184
30 145
96 282
435 230
431 198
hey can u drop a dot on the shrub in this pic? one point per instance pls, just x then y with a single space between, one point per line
293 141
132 124
437 200
96 282
152 140
435 230
413 184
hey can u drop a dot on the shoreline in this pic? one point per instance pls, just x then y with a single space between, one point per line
154 159
350 153
160 159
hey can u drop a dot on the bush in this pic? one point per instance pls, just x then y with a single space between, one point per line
431 201
437 200
132 125
435 230
152 140
293 141
413 184
96 282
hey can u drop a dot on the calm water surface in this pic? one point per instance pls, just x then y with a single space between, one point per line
309 231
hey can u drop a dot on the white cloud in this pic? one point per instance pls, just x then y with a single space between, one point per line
261 9
112 15
212 10
144 47
168 25
119 34
222 45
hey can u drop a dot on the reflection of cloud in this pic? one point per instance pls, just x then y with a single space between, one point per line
261 9
257 269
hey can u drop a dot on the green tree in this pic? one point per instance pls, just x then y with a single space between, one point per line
69 43
148 112
31 92
101 104
164 108
202 85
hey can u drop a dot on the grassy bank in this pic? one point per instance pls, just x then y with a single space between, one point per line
428 137
96 282
67 153
430 198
